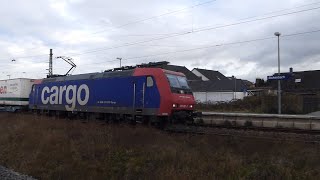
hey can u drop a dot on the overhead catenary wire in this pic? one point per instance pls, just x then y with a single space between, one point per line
184 33
211 46
158 16
195 31
144 19
257 19
246 18
197 48
203 47
171 35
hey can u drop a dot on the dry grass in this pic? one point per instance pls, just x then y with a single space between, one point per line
49 148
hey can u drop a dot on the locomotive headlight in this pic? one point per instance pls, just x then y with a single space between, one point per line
190 106
174 105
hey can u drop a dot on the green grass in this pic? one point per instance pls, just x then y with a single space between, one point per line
49 148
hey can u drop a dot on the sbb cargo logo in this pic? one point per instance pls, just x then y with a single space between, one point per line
72 95
3 89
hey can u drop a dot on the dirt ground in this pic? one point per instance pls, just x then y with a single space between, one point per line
51 148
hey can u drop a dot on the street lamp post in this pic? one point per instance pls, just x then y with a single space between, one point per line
279 83
235 88
119 60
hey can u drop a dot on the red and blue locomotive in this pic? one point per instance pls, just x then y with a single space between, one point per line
142 92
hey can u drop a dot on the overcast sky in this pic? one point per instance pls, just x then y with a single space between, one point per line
184 32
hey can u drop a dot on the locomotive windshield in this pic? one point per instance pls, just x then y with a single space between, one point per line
178 81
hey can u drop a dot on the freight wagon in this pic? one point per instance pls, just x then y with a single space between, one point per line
14 94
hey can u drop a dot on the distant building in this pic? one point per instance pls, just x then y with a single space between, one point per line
249 84
218 91
261 88
215 87
304 85
300 82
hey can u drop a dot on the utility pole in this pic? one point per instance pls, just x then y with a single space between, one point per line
50 63
120 61
279 83
235 88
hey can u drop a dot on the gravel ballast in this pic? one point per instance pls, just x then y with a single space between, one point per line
7 174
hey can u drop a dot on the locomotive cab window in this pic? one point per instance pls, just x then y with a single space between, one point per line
177 81
149 81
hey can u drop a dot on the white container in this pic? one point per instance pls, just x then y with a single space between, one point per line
15 92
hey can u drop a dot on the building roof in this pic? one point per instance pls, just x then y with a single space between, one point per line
211 75
190 76
218 86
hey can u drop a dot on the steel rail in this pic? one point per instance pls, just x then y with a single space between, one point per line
249 133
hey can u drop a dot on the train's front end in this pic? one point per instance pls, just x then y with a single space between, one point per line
172 92
181 100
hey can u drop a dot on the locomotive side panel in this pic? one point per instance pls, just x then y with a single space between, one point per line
125 95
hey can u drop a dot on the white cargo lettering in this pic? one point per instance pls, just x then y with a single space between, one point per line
71 94
86 98
54 95
71 100
45 101
62 89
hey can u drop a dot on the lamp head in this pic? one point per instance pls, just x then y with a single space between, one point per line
277 34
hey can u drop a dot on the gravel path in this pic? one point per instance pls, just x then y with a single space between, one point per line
7 174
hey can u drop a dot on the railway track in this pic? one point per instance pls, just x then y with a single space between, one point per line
234 129
258 126
250 133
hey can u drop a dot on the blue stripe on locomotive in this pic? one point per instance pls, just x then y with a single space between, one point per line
104 92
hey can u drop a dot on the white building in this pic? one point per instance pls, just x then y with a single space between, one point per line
215 87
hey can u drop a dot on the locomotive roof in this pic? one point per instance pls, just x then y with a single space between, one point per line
91 76
105 74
